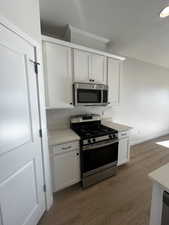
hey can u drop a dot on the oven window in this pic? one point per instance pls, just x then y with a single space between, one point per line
88 96
93 159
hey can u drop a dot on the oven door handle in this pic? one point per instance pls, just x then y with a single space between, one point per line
94 146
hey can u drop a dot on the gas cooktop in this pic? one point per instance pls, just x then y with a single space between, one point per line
89 126
92 131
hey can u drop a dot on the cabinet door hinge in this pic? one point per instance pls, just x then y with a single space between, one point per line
44 187
40 133
36 64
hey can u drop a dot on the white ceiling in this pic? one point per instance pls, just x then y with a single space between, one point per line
133 26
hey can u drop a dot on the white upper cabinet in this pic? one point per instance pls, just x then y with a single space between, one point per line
114 68
89 67
65 63
58 75
81 66
98 71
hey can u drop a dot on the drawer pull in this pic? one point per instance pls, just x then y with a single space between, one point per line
123 134
77 153
65 148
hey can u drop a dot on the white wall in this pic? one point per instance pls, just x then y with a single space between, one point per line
24 14
144 102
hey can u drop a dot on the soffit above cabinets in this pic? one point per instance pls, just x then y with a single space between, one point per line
75 46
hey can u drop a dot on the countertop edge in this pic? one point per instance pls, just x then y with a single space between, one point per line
71 136
62 142
119 127
159 176
162 186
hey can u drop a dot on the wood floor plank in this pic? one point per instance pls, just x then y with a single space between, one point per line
120 200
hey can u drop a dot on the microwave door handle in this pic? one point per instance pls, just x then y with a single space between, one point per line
102 96
75 96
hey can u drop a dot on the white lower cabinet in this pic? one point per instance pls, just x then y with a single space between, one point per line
124 148
65 167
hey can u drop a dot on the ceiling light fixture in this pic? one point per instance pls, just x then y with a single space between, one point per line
165 12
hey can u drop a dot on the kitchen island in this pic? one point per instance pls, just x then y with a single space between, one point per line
160 178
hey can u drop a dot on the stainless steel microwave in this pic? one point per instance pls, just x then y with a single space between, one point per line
87 94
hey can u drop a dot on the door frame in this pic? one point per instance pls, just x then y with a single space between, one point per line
41 106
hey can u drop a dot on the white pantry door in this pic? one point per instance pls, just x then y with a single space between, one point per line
22 200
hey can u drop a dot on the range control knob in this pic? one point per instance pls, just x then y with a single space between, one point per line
94 140
89 141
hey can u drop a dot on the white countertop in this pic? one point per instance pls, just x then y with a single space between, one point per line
116 126
161 176
61 136
56 137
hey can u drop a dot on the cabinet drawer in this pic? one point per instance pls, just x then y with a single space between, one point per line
66 147
123 134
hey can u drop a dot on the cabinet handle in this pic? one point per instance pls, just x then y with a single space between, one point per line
71 103
91 80
77 153
65 148
123 134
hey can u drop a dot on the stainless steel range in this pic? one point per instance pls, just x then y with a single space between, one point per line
99 148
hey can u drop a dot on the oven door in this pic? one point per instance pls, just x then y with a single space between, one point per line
101 157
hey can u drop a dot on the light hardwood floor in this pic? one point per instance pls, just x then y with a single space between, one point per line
121 200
